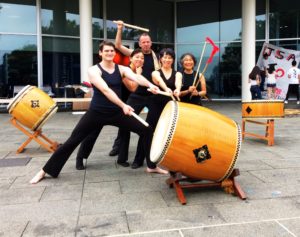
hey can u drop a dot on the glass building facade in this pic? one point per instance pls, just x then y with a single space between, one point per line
44 36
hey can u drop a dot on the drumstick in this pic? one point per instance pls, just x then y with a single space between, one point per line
198 68
165 94
139 119
133 26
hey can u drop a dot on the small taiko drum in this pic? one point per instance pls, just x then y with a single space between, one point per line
196 141
263 109
32 107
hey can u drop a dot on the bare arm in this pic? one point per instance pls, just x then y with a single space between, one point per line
257 79
202 92
128 73
203 86
178 83
118 43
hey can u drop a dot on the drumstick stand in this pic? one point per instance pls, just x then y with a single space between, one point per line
230 185
50 145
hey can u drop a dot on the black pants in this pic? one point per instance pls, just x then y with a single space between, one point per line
293 88
255 92
91 121
137 102
157 104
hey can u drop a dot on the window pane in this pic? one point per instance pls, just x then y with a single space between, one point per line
284 19
18 60
229 84
60 17
196 20
157 16
230 21
260 19
61 62
123 12
288 44
97 18
18 17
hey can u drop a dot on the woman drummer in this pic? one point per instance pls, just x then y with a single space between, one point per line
168 80
137 62
190 93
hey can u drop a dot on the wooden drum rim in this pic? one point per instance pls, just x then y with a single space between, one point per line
52 110
171 130
18 98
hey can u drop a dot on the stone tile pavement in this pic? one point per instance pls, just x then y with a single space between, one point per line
109 200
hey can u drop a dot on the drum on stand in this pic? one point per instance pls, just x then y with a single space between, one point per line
196 141
263 109
32 107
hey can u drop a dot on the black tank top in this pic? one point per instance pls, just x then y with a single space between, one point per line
148 68
161 99
169 82
187 81
114 81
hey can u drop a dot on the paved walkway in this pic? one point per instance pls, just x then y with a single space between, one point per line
109 200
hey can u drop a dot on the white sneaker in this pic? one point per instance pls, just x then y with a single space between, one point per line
286 102
298 102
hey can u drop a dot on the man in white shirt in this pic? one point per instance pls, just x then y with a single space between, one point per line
294 79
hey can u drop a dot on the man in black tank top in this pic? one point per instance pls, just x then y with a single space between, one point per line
106 109
141 97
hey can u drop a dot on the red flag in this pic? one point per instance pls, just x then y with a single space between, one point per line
214 51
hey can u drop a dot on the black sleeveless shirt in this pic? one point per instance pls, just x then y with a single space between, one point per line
170 83
187 81
114 81
148 68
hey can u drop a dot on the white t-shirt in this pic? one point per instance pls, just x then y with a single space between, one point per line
293 72
271 79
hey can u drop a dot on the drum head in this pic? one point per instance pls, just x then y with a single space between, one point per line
17 98
164 132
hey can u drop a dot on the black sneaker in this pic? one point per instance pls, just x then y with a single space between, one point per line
79 164
114 152
124 164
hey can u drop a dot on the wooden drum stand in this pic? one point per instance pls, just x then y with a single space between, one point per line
230 185
262 109
37 136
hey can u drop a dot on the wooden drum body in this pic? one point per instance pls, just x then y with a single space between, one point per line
32 107
196 141
263 109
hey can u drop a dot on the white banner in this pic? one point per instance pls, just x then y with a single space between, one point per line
283 59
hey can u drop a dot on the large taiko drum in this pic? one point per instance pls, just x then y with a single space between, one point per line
196 141
32 107
263 109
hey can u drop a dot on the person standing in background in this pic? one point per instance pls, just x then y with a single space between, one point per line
271 82
263 71
255 80
294 80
